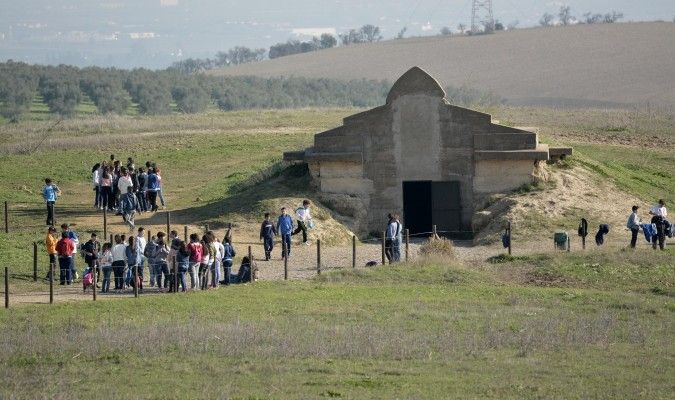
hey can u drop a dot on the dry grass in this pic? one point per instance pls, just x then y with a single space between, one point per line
438 249
605 65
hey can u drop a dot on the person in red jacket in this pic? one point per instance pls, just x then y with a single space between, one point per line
65 249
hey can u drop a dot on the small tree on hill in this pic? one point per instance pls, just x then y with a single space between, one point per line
546 20
565 15
327 41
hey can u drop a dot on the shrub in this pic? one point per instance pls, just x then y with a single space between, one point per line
441 248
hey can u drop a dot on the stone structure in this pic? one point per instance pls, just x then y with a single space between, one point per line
421 157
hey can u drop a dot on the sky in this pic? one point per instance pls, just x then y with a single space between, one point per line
154 33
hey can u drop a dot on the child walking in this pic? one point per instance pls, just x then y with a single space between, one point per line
267 233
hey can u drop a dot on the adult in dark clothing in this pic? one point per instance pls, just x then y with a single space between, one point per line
91 250
659 215
244 274
141 178
267 233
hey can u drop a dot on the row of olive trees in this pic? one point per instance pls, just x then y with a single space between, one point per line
565 17
62 88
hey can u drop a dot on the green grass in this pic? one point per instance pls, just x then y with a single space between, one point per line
444 331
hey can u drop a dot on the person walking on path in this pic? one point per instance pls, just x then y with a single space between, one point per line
285 229
267 233
634 225
50 244
64 249
129 206
659 214
304 218
50 193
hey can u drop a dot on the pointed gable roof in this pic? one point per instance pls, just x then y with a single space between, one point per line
415 81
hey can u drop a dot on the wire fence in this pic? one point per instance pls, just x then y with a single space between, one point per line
312 260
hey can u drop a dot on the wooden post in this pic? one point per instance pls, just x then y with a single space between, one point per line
105 222
407 244
353 251
6 287
509 235
35 261
283 245
93 287
435 234
51 283
384 234
111 240
250 261
185 234
206 228
136 280
149 235
318 256
175 275
6 217
568 243
168 222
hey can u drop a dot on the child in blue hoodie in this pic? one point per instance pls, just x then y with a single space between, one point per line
285 229
50 193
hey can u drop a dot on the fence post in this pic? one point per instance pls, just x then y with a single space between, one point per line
318 256
185 233
93 287
6 287
175 275
168 222
384 234
35 267
136 280
407 244
568 243
353 251
283 247
250 261
206 228
105 222
6 217
509 235
51 283
435 234
111 240
149 235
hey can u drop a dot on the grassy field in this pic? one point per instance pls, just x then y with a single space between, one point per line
443 331
596 325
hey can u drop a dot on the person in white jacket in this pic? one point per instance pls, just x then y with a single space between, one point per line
304 218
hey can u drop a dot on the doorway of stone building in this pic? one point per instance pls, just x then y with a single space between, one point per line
428 203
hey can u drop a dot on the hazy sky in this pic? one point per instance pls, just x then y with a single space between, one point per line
154 32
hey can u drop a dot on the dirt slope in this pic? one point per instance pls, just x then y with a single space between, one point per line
606 65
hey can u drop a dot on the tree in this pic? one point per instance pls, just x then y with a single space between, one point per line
190 98
351 37
591 18
445 31
462 28
513 25
18 82
370 33
565 15
327 41
546 20
60 89
401 33
612 17
498 25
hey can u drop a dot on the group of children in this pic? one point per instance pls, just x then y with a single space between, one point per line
206 260
656 230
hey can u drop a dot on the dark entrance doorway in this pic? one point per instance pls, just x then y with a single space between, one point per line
427 203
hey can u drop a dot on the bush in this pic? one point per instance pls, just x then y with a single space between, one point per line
438 248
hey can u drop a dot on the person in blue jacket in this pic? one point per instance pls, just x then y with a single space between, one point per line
153 188
50 193
267 233
285 229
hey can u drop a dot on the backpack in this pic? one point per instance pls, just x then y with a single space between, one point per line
88 279
150 249
196 251
129 203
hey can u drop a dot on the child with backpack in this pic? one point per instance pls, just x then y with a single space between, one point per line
106 261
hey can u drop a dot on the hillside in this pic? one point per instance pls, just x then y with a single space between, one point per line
604 65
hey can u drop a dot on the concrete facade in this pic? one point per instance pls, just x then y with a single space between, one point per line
417 135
